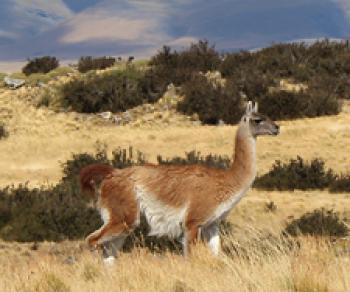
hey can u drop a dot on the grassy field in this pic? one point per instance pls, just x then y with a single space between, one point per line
39 139
258 266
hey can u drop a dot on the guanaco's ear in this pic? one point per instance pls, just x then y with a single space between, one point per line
249 108
255 110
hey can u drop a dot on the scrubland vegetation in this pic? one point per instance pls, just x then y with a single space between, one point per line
40 65
88 63
291 232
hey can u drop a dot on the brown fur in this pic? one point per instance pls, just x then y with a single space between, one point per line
91 177
202 188
199 189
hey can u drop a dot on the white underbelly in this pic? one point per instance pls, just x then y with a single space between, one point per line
162 219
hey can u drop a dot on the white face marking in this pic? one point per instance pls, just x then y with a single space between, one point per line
162 219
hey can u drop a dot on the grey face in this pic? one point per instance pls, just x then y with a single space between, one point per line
262 125
258 123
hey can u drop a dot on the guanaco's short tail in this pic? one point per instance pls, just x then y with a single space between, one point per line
92 175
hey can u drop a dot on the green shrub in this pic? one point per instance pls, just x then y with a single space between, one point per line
60 71
40 65
299 61
341 184
3 131
211 102
283 105
177 67
121 158
72 167
54 214
296 174
320 222
36 78
88 63
194 157
234 63
113 91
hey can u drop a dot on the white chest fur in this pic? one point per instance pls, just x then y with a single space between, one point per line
225 207
162 219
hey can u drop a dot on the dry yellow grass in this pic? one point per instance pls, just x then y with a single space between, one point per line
39 139
257 266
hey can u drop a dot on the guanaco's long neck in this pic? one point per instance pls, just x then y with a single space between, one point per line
243 169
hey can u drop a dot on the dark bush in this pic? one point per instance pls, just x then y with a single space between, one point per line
177 67
211 102
297 60
234 63
341 184
282 105
113 91
320 222
194 157
5 207
121 158
46 214
40 65
3 131
323 66
296 174
88 63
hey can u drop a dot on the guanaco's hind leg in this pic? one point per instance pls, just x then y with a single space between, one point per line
106 233
111 247
190 237
119 211
211 235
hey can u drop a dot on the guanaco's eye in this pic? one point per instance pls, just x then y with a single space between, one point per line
258 121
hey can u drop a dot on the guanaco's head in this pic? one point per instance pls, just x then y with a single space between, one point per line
258 124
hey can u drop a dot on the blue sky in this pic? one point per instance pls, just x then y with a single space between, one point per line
69 29
79 5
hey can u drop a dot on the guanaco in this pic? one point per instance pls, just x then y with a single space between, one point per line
176 200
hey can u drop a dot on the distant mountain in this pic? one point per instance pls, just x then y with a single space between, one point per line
136 27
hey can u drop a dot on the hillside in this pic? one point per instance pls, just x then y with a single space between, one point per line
40 138
255 258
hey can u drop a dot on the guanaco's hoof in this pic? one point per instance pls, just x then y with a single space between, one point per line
109 261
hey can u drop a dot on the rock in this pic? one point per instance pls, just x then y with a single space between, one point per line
105 115
14 83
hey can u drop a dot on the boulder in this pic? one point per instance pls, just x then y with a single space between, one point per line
14 83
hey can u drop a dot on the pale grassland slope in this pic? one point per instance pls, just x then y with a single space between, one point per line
40 138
